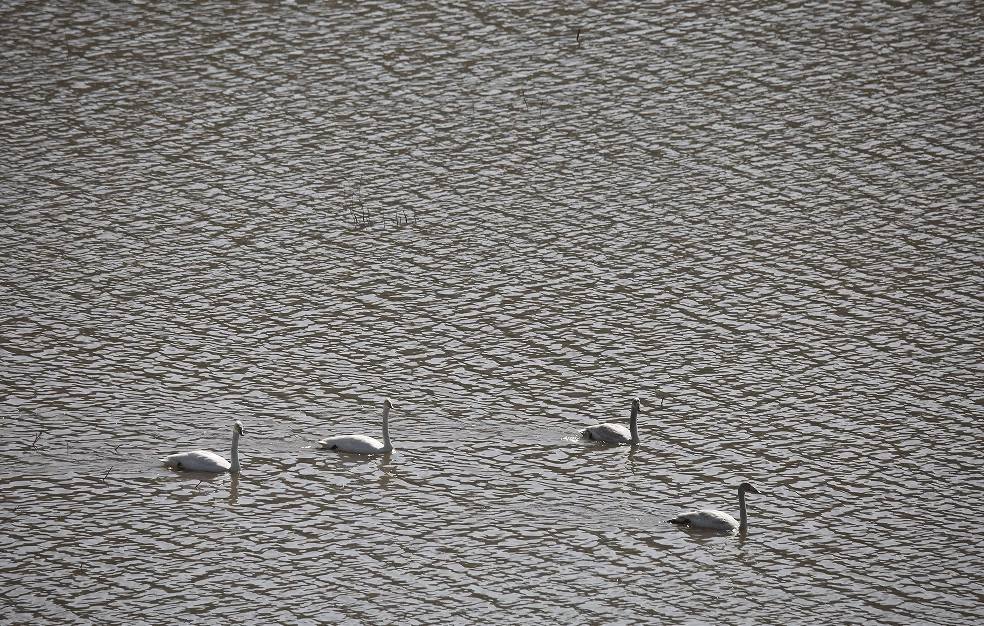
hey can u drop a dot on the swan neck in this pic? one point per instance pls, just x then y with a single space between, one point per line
386 430
742 514
634 424
235 452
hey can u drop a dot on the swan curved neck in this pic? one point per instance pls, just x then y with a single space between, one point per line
386 431
235 452
634 424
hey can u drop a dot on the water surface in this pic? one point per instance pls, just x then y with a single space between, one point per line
511 220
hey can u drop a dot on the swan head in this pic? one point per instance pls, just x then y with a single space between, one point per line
747 488
238 428
387 404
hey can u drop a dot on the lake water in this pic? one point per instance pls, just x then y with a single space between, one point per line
764 219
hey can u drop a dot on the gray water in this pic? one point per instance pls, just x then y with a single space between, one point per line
764 219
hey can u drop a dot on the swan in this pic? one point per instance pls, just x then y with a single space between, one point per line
616 433
206 461
719 520
361 444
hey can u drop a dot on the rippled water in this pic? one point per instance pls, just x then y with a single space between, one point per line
510 220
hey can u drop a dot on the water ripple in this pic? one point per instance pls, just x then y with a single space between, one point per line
511 220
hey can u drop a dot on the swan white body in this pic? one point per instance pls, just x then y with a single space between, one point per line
362 444
207 461
718 520
616 433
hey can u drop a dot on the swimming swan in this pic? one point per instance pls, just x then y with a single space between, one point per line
616 433
719 520
205 461
361 444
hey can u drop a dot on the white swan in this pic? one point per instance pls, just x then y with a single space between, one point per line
719 520
206 461
361 444
616 433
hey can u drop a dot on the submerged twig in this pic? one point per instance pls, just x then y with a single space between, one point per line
406 219
362 217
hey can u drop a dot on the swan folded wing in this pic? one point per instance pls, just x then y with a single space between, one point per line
353 443
198 461
608 433
707 518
